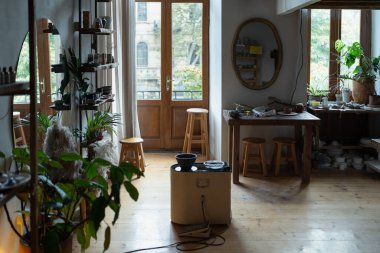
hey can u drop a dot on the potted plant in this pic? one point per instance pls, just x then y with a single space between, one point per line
315 93
96 126
362 69
59 201
73 65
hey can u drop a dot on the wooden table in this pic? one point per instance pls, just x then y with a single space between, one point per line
305 120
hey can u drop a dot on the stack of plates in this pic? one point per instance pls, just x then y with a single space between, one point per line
214 164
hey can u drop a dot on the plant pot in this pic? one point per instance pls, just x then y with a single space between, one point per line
315 98
58 103
374 100
360 92
66 98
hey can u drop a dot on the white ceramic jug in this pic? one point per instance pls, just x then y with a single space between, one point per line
325 102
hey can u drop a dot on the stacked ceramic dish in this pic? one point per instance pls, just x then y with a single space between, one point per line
340 162
334 149
357 163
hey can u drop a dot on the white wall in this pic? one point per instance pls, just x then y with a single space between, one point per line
233 14
13 27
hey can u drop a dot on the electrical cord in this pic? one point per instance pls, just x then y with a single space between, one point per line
211 241
299 70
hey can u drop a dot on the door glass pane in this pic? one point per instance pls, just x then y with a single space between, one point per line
148 51
320 49
55 50
187 51
350 34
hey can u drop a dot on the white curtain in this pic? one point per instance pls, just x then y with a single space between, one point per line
124 53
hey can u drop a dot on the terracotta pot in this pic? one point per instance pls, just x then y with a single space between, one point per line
360 92
374 99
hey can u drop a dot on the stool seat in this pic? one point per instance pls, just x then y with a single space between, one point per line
193 115
253 140
132 152
197 110
132 140
256 143
290 156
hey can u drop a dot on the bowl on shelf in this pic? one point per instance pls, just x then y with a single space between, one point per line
186 160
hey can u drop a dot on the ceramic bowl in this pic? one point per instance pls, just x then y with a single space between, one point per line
185 160
358 166
340 159
357 160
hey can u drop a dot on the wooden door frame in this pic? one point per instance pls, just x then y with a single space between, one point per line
166 104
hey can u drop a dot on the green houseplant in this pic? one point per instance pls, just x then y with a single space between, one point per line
315 93
362 69
59 201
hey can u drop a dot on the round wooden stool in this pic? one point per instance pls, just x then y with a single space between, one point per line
258 144
290 156
18 130
201 115
132 152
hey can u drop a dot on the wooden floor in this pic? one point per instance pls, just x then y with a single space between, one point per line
338 212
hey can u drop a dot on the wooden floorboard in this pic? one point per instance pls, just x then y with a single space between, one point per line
338 212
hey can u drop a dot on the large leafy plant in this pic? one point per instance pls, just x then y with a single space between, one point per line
73 65
361 68
58 202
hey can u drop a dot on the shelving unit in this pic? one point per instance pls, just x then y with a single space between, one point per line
247 65
27 88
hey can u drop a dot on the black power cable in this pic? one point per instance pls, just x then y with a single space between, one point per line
211 241
299 70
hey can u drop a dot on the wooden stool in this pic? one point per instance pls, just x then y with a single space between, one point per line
257 143
290 144
199 114
18 130
134 147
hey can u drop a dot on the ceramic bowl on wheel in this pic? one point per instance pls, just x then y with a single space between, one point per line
186 160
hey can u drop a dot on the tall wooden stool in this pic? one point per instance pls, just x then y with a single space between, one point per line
290 155
258 144
18 130
201 115
132 152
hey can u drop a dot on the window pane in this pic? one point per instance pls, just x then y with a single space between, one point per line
148 53
350 33
55 51
320 49
187 51
141 12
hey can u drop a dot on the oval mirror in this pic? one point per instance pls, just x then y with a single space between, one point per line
257 53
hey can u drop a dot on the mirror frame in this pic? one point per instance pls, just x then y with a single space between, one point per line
276 73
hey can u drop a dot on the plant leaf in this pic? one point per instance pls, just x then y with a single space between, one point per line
102 162
107 239
132 190
2 155
90 229
81 238
71 157
98 211
339 45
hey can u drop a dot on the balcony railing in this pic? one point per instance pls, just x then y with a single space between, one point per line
176 95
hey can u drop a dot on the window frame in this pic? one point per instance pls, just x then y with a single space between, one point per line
335 34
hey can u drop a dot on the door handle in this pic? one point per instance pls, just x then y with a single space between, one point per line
168 81
42 86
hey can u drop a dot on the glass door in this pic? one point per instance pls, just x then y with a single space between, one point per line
171 68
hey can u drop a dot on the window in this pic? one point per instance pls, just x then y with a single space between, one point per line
141 12
142 54
325 27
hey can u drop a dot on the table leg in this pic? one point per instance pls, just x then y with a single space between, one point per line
236 147
230 144
298 138
308 135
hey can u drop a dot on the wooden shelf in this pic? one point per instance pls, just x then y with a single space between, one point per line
96 31
18 88
95 107
100 67
52 31
246 57
61 108
7 195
